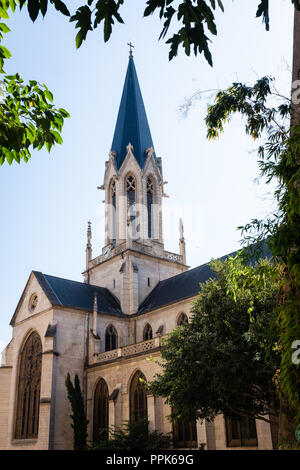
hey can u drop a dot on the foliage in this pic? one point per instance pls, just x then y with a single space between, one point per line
78 417
25 128
195 17
28 119
134 436
222 362
279 157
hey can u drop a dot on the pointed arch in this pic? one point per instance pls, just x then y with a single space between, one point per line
131 195
100 413
113 208
29 387
150 191
182 319
138 397
147 333
111 338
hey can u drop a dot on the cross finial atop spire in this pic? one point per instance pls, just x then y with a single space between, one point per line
130 49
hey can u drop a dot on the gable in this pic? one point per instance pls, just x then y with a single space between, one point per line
23 309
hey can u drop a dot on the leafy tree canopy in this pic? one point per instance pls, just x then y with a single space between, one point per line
267 116
223 360
29 120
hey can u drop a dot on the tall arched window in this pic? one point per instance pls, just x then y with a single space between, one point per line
111 338
113 209
182 319
131 203
150 192
138 398
29 387
100 423
147 332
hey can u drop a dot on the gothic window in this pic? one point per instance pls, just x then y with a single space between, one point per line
182 319
241 431
100 422
111 338
138 398
131 203
150 192
184 434
29 386
147 332
113 209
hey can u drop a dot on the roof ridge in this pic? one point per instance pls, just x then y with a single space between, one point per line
50 287
72 280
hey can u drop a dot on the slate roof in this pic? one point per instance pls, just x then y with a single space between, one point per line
74 294
132 123
186 284
67 293
176 288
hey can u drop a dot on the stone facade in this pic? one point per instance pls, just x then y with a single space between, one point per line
67 352
73 337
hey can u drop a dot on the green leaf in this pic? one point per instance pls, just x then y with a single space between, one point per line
4 53
49 95
43 6
4 28
3 13
12 5
221 5
9 157
83 18
33 7
48 146
60 6
30 132
64 113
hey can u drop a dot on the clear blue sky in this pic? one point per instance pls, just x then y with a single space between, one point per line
45 205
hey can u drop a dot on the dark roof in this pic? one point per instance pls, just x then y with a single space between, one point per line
176 288
187 284
132 123
67 293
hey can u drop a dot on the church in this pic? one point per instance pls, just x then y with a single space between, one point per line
107 327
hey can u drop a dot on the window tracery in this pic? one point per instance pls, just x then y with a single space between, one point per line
29 386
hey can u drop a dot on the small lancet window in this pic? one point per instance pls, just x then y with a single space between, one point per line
113 209
147 332
150 192
111 338
183 319
131 202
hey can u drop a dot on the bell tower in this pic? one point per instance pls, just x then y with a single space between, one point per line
133 259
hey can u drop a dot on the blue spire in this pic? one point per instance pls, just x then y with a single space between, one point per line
132 123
